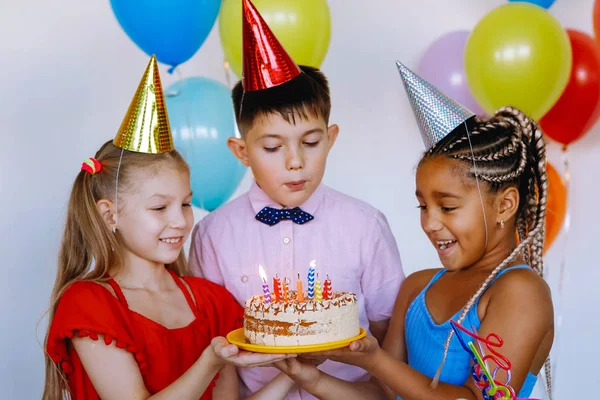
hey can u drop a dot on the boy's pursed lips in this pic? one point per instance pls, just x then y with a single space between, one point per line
296 185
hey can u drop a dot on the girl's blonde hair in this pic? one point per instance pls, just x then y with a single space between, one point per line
508 150
89 247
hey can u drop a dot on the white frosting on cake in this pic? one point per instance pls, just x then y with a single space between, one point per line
301 322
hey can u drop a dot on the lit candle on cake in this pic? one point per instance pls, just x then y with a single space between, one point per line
318 291
299 290
286 290
311 279
327 293
277 288
265 285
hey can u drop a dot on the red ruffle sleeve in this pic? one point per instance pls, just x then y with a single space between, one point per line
89 309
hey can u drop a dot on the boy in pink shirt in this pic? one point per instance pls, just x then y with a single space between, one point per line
288 217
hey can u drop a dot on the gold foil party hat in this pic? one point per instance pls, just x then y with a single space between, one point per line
145 128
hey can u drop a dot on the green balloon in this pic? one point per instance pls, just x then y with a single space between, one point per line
303 27
518 55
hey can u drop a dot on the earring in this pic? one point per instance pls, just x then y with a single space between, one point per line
501 224
114 229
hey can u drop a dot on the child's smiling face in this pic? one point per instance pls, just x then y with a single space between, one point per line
452 214
156 217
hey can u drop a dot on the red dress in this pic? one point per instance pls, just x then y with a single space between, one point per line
163 355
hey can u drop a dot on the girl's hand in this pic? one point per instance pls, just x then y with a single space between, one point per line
302 371
361 353
228 353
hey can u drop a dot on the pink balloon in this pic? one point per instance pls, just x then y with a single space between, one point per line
443 66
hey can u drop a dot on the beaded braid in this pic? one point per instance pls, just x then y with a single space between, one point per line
509 150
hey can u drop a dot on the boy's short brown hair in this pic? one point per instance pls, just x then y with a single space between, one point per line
307 94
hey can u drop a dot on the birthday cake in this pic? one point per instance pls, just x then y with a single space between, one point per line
301 322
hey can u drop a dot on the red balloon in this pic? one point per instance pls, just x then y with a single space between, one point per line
578 108
596 20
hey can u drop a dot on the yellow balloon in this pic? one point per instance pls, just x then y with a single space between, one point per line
302 26
518 55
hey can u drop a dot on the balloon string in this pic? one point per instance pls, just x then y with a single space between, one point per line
563 261
567 225
190 128
226 68
185 103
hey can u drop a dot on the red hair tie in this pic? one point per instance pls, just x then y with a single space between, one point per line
91 166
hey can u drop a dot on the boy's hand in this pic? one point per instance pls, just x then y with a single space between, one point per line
302 371
361 353
229 353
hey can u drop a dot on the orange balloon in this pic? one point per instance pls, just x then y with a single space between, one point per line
556 206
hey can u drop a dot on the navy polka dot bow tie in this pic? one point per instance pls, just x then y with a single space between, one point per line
272 216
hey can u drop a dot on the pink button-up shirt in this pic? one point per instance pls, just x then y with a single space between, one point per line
350 240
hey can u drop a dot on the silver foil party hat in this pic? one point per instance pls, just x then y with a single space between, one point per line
437 114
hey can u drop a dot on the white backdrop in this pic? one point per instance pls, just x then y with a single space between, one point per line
68 73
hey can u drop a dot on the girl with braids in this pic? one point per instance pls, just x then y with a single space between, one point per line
481 188
126 319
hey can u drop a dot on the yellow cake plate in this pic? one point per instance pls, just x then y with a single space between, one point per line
237 338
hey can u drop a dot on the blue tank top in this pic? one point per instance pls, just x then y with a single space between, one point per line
425 341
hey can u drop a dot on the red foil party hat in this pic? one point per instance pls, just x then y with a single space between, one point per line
266 63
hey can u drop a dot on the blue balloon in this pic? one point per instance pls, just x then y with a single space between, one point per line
542 3
174 30
202 118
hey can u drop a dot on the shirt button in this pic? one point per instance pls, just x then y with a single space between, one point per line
286 240
244 279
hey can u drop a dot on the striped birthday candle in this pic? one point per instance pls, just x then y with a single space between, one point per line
311 280
318 290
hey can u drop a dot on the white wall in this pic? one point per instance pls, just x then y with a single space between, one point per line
68 73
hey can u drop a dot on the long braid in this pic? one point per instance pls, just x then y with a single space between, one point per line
548 373
509 149
536 211
522 234
537 260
